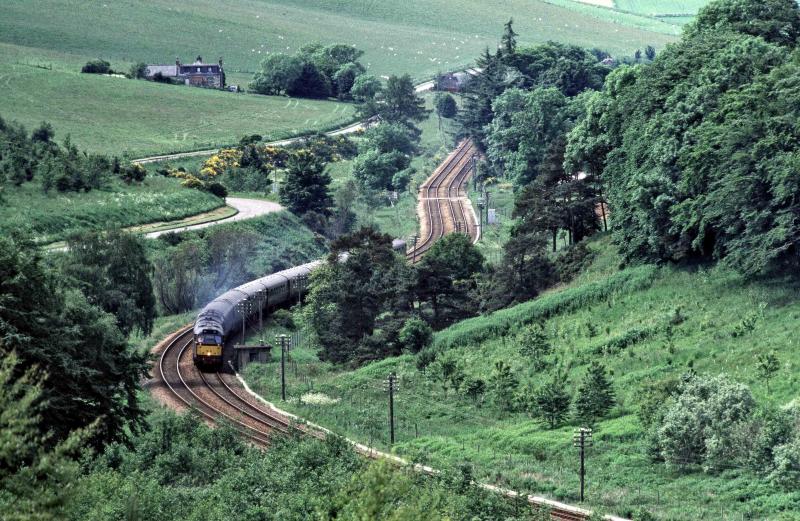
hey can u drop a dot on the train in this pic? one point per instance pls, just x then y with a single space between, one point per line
222 317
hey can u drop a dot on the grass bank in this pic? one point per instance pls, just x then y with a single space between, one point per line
619 317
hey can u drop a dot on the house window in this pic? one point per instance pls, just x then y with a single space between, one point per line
198 69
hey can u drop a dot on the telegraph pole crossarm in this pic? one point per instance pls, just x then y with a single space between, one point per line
582 438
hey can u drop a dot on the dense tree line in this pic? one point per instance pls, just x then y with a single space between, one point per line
371 304
91 376
698 150
316 71
27 158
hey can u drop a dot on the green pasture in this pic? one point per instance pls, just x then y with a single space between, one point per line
135 118
418 37
54 216
436 425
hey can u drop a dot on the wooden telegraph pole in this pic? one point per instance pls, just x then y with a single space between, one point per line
284 341
581 439
390 385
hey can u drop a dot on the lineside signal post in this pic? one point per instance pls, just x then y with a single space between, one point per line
390 385
284 341
581 439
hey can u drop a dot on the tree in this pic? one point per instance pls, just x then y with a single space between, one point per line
534 346
416 334
112 270
177 276
310 83
35 480
767 364
138 71
356 306
503 386
552 401
375 170
723 93
92 375
650 53
445 105
278 74
390 137
307 185
637 56
399 102
508 42
595 395
445 276
366 87
700 422
97 67
43 134
344 79
777 21
525 269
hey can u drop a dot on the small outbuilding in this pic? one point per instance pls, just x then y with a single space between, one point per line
248 354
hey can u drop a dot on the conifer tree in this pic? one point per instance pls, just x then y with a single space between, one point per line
552 401
595 395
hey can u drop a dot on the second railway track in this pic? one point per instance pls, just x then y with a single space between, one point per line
442 200
212 396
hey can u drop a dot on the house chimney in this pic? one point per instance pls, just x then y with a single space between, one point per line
178 61
220 62
199 59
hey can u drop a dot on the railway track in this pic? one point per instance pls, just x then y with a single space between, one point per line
217 400
442 198
211 396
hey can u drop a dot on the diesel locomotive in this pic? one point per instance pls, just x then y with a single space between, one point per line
222 317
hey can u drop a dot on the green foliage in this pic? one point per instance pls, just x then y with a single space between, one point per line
551 401
534 346
397 102
700 136
316 71
97 67
700 422
595 396
34 481
113 271
446 106
767 364
503 386
193 267
92 375
445 278
306 188
777 21
415 334
376 170
365 87
356 306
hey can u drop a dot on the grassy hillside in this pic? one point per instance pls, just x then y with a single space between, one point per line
50 217
116 115
625 318
419 37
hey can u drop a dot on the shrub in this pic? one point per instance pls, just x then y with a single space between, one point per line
97 67
284 318
217 189
415 334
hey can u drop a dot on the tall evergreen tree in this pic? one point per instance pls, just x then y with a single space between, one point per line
508 43
307 184
595 395
552 401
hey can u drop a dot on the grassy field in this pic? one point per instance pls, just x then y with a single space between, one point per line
445 429
43 44
135 118
50 217
660 7
419 37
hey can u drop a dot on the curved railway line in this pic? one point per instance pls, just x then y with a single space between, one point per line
211 396
442 198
